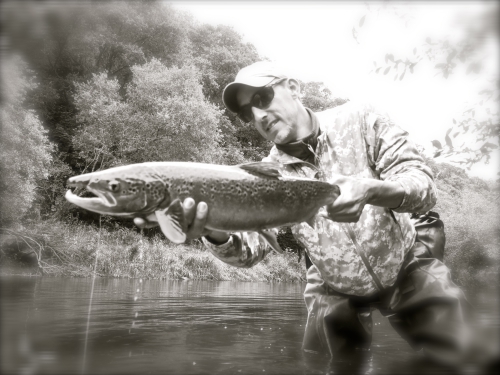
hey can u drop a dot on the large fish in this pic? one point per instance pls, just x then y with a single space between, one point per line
247 197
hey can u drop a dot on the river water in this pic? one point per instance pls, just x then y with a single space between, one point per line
180 327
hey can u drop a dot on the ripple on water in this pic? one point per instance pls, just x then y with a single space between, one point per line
176 327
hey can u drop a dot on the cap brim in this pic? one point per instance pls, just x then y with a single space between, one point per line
231 90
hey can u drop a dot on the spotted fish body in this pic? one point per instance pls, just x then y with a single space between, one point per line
247 197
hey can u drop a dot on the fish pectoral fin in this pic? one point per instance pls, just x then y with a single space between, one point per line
271 239
172 222
262 169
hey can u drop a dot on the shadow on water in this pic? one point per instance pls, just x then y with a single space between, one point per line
185 327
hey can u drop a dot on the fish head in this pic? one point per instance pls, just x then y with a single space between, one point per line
122 191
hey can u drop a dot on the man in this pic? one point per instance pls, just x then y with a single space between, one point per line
362 247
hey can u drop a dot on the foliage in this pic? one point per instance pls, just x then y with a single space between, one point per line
317 97
25 151
171 103
473 136
469 210
219 53
164 117
476 133
69 45
50 191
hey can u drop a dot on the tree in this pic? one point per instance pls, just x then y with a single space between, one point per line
25 151
67 44
164 117
317 97
219 53
475 133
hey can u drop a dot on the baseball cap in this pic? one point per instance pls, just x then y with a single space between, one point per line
258 74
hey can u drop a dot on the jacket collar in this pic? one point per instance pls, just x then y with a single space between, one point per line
303 149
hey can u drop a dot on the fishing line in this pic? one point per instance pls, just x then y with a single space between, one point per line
91 296
140 280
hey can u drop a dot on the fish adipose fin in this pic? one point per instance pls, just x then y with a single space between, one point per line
270 238
262 169
172 222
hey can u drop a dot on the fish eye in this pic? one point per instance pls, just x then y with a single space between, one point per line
114 185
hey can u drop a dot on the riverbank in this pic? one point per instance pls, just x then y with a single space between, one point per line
55 248
58 249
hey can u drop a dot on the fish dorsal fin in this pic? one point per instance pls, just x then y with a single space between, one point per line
262 169
297 164
271 239
172 222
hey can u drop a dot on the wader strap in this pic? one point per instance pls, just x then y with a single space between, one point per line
359 250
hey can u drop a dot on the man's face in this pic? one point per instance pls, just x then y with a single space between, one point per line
278 121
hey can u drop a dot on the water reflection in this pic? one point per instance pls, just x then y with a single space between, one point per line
179 327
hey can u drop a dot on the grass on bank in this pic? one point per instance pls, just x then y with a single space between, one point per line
61 249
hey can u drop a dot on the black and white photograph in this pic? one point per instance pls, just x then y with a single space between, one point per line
249 187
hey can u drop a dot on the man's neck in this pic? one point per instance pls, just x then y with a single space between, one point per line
304 147
305 124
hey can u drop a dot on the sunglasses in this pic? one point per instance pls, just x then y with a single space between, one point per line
261 100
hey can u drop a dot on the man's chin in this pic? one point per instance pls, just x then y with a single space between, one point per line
283 137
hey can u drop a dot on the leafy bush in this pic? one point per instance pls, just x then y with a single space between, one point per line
25 150
469 209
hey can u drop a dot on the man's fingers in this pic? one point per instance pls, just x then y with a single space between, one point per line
189 210
198 226
139 222
195 216
143 224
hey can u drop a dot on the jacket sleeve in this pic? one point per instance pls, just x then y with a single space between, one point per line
394 157
242 250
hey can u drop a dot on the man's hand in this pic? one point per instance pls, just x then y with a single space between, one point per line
355 193
196 218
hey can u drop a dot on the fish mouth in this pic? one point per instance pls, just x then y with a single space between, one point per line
78 182
102 203
82 183
95 204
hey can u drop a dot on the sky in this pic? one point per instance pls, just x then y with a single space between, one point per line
314 41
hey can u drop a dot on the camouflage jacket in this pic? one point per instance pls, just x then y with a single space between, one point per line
356 141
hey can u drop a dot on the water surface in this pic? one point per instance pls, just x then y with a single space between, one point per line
179 327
